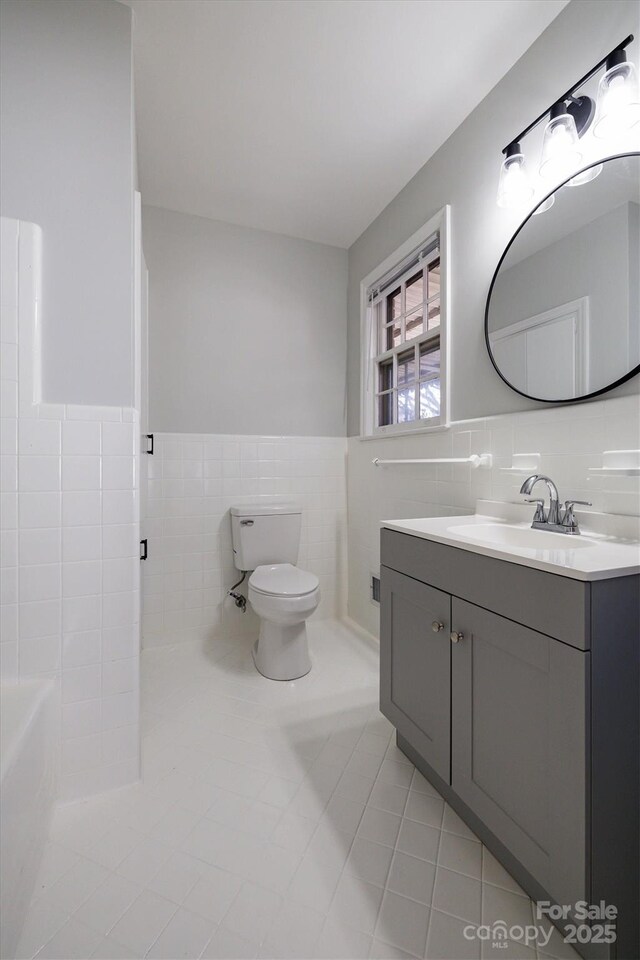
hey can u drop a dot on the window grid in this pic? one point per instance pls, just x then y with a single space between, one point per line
406 391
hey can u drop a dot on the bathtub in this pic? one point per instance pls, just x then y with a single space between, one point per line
28 765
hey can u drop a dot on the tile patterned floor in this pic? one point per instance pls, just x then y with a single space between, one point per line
274 820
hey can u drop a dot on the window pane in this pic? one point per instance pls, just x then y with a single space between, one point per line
414 325
385 409
414 293
430 359
394 308
433 314
429 399
393 336
406 367
434 278
406 405
385 375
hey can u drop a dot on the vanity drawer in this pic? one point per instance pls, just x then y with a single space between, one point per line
554 605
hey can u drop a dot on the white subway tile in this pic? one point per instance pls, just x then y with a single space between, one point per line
82 579
39 619
120 540
118 439
39 474
40 546
80 473
81 508
120 575
80 438
81 649
81 683
120 643
120 710
81 543
118 609
39 655
81 719
39 437
80 613
40 582
119 506
119 676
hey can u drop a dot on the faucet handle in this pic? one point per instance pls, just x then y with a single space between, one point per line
540 516
568 519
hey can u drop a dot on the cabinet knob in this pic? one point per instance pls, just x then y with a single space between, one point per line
456 637
436 626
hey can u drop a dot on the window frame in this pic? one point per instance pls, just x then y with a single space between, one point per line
369 334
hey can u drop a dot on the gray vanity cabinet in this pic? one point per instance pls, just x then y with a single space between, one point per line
518 742
416 666
523 712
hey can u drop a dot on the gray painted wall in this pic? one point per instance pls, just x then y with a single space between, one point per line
594 261
247 329
464 174
67 164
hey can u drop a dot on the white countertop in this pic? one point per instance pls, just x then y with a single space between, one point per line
608 546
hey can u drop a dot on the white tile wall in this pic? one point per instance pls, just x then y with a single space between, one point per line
569 440
192 481
70 530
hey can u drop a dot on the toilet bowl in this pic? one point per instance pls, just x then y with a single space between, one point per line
283 597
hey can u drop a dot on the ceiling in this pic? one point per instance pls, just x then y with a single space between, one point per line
306 117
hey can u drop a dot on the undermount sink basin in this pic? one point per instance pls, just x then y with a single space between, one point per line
508 535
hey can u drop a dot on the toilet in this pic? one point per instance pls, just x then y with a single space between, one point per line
266 539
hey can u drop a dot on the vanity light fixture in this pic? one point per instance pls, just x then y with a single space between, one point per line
560 149
618 98
568 119
514 189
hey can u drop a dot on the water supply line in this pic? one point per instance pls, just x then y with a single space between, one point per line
240 600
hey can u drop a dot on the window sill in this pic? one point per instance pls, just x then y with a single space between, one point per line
395 434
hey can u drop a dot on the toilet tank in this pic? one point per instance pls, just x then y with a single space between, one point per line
265 533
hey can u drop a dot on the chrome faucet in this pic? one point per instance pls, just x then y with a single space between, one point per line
553 519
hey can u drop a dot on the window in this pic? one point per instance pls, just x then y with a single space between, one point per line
404 337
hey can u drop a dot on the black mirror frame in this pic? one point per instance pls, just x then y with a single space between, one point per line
585 396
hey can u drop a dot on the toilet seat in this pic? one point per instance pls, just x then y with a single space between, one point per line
283 580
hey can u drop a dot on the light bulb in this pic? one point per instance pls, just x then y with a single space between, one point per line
514 189
546 205
618 107
560 152
586 176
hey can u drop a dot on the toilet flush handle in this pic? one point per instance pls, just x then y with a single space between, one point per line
246 523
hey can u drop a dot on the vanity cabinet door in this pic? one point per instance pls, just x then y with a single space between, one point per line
519 743
415 665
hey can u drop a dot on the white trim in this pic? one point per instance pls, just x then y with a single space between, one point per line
578 308
438 223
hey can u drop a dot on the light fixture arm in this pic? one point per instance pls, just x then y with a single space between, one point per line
569 95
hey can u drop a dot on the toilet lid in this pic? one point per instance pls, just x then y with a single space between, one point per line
283 579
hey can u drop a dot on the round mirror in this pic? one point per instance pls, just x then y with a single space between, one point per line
563 313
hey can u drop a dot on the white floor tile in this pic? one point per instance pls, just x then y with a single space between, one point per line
252 913
42 922
225 945
184 938
458 894
403 923
447 941
73 942
143 922
461 854
274 821
370 861
177 877
213 894
412 877
105 907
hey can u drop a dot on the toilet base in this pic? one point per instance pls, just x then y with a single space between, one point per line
281 651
